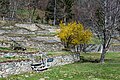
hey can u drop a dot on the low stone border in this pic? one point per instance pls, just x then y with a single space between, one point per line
14 67
20 66
64 59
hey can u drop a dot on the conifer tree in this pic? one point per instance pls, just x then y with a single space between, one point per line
4 8
58 10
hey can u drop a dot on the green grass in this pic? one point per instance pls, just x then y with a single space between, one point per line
91 55
4 59
95 40
111 57
52 54
78 71
29 35
115 44
32 49
24 12
4 41
7 49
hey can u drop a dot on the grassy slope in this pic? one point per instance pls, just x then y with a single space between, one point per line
12 59
4 49
79 71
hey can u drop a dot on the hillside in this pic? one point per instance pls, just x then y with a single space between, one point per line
38 36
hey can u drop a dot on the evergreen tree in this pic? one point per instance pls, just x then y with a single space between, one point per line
52 10
4 8
61 9
66 9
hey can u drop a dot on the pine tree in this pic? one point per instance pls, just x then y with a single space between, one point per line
66 9
59 10
50 13
4 8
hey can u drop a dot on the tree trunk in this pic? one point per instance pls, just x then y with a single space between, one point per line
102 59
3 18
54 22
34 9
67 45
84 48
104 47
65 19
81 47
77 48
104 34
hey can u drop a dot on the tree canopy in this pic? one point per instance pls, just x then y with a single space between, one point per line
73 34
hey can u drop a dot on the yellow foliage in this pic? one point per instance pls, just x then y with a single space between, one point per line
74 33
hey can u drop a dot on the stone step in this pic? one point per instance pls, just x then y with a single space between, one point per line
38 67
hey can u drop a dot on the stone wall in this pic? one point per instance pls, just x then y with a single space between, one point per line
42 45
29 55
64 59
15 67
114 48
98 48
49 46
31 27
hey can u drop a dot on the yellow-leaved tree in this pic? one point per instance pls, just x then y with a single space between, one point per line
73 34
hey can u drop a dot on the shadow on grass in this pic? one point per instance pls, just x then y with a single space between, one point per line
92 60
84 60
112 60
